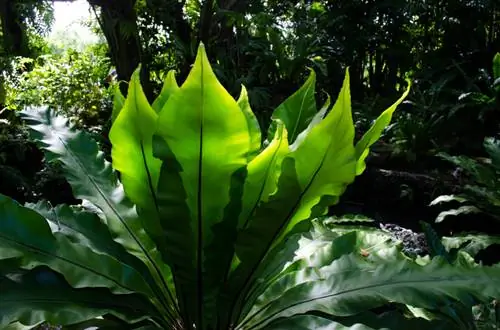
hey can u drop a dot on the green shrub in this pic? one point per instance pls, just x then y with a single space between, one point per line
483 193
207 229
70 81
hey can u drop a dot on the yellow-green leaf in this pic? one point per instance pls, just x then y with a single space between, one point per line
207 132
253 124
131 136
325 160
263 173
373 134
297 111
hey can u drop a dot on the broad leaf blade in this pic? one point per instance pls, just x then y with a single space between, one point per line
86 228
263 174
308 250
470 243
299 190
296 111
325 160
364 321
42 295
373 134
26 231
254 241
220 253
118 102
210 140
252 122
177 229
318 117
346 290
92 179
131 138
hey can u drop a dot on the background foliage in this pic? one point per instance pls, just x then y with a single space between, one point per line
446 48
71 81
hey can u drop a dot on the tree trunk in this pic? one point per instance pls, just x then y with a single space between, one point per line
14 38
118 22
170 14
207 12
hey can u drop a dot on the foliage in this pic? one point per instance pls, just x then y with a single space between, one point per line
72 82
38 15
208 230
24 23
488 100
483 195
438 117
265 45
12 145
461 249
221 233
24 175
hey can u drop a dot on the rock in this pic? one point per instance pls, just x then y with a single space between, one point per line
413 243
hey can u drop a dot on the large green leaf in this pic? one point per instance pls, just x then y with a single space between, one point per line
252 122
118 102
470 243
41 295
88 229
208 133
348 286
263 174
220 254
327 146
323 244
269 162
318 117
254 241
92 179
296 111
169 87
318 246
373 134
364 321
132 153
177 230
24 230
306 178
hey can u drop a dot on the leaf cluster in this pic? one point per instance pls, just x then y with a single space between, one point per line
212 223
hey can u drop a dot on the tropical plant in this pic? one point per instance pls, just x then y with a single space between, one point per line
483 194
208 231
